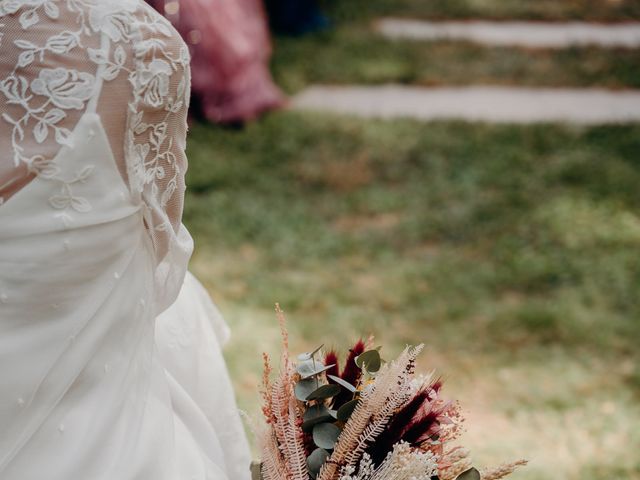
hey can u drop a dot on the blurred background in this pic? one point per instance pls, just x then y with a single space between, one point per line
511 249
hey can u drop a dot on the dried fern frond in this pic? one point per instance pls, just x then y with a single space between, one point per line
281 409
297 456
390 389
396 399
273 463
386 381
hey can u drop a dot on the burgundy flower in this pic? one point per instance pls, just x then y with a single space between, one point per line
351 373
331 358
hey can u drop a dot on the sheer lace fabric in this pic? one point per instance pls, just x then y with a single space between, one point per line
62 59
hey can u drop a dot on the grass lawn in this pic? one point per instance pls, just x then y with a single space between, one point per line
354 53
511 251
549 10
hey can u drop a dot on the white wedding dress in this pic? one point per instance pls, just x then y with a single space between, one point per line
102 375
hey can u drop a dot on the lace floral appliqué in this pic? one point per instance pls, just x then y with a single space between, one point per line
132 44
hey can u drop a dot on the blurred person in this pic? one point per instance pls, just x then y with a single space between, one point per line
230 48
296 17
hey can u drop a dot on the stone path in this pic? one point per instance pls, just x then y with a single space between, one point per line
523 34
491 104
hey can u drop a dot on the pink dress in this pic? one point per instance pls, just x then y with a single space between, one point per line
230 48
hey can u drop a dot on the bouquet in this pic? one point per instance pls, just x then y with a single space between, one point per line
369 420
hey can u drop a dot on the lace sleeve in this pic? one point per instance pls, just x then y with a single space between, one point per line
156 141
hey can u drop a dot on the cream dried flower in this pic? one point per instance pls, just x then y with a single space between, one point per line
403 463
502 471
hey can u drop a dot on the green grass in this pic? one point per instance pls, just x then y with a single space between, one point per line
511 251
356 54
550 10
352 52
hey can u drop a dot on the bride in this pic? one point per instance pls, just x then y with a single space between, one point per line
101 377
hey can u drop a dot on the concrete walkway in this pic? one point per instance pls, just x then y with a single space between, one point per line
522 34
490 104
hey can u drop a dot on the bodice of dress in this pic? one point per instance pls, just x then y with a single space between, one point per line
65 294
119 60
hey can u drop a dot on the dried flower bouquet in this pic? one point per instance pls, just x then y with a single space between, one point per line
370 420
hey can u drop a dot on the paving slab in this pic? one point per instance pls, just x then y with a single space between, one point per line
487 104
521 34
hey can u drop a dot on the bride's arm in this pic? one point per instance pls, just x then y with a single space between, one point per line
165 137
157 162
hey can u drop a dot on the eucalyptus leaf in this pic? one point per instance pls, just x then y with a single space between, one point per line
369 360
309 355
309 368
325 391
314 415
316 411
343 383
306 366
471 474
325 435
316 460
345 411
304 388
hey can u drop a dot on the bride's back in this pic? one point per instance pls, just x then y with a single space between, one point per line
93 102
118 59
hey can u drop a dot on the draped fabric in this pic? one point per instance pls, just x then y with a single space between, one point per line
93 107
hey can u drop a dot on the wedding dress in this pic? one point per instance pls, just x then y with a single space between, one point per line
102 375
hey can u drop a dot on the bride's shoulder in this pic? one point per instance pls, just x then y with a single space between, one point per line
52 7
123 21
92 14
